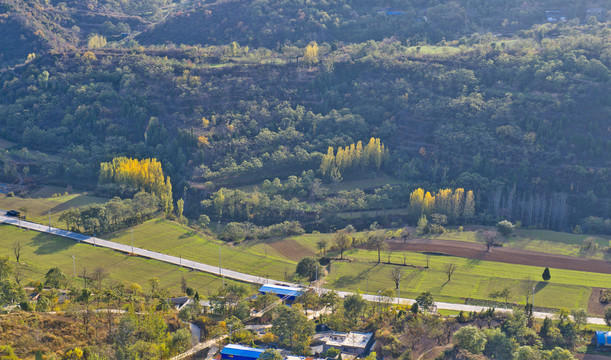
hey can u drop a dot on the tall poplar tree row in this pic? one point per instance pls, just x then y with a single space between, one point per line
146 174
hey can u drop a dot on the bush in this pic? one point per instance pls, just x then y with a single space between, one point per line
505 227
331 353
471 339
589 246
306 268
26 306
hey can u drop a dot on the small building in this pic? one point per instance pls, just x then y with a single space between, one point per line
180 302
355 343
603 339
239 352
597 12
555 16
284 292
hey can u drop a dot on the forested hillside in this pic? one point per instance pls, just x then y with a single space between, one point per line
272 23
521 119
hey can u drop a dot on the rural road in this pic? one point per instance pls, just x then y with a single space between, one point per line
215 270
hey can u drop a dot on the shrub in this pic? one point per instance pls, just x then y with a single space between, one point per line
589 246
505 227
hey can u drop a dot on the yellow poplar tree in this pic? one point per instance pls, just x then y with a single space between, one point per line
457 202
469 209
429 203
416 200
311 53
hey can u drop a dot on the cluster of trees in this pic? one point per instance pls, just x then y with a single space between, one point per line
115 214
533 209
146 174
596 225
515 339
355 157
346 21
235 231
254 206
447 125
453 203
94 315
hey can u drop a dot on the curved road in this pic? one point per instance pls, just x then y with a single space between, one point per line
221 271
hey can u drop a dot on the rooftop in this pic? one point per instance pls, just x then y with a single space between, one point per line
339 339
281 290
239 350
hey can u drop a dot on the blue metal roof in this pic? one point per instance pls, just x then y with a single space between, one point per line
239 350
280 290
603 337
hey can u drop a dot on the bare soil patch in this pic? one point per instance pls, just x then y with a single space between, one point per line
291 249
500 254
595 307
592 357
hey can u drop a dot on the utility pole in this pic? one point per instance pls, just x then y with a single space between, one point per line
399 292
533 302
74 264
220 261
49 221
316 286
132 241
180 257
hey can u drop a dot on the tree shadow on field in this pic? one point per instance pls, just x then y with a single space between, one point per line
540 286
345 280
187 234
473 263
50 244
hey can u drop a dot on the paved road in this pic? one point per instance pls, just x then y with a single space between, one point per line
222 272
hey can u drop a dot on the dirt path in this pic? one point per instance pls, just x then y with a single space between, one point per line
595 307
507 255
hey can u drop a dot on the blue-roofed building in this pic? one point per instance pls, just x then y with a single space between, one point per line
239 352
284 292
603 338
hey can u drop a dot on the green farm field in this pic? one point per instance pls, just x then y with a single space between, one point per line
172 239
473 278
40 252
547 241
276 259
40 201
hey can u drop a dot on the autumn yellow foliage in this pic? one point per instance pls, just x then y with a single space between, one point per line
454 203
355 156
146 174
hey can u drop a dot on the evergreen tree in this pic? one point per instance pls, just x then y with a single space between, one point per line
546 275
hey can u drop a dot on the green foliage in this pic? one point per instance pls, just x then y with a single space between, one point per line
307 268
425 301
270 354
546 275
505 227
498 345
470 338
55 278
354 305
607 316
113 215
332 353
292 328
7 353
